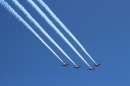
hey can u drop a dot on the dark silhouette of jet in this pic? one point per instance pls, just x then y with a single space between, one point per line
77 67
97 65
65 64
91 68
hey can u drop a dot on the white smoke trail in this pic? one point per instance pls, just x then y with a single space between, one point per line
10 9
40 28
64 27
56 29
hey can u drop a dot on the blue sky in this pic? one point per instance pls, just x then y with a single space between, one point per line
102 27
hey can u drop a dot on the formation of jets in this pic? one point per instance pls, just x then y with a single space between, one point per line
7 6
64 64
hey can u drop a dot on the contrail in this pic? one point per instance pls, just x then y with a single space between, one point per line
64 27
10 9
40 28
56 29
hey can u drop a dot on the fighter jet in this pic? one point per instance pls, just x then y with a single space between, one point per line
65 64
77 66
91 68
97 65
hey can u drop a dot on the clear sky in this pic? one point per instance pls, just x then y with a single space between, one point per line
102 27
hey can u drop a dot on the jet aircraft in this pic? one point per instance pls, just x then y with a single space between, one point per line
65 64
91 68
77 67
97 65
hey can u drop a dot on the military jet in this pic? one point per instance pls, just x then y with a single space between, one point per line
65 64
97 65
77 66
91 68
